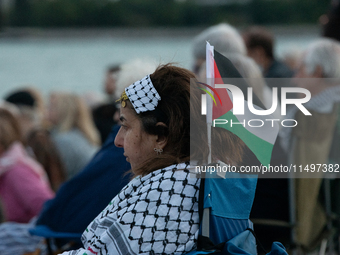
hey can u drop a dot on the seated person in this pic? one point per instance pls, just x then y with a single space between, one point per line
73 131
23 182
157 211
91 190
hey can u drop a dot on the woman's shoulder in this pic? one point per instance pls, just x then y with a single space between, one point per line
171 176
172 181
180 170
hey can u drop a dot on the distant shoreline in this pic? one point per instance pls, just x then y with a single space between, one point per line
12 33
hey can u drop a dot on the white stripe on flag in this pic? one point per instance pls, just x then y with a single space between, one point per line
210 75
268 132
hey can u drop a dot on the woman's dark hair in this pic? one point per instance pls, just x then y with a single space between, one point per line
259 37
179 109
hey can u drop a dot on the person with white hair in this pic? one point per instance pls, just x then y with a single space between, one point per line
133 70
310 141
321 59
224 37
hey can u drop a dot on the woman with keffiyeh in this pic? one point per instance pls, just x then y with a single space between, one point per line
157 212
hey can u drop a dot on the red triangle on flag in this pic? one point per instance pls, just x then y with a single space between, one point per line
227 104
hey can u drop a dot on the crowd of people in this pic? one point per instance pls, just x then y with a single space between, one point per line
101 170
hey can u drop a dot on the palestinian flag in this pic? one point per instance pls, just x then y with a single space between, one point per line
259 138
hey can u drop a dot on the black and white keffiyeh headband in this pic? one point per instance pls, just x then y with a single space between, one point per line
142 95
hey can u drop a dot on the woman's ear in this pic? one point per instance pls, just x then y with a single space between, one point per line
162 133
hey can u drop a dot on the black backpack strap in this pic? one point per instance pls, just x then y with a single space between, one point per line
257 240
201 199
204 243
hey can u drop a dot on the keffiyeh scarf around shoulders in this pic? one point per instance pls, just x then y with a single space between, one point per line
154 214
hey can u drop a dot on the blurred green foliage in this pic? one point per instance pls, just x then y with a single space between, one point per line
145 13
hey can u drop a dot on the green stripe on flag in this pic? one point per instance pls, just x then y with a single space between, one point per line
252 141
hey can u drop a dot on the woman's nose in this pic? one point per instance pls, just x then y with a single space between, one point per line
119 139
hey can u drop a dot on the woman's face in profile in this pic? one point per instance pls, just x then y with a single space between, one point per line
138 145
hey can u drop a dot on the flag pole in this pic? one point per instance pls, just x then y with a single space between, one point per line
210 81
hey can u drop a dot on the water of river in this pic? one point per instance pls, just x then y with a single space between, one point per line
77 64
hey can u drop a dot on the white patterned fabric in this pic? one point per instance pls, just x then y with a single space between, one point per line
143 95
154 214
16 240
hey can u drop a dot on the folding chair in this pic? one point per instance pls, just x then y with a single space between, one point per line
225 203
71 239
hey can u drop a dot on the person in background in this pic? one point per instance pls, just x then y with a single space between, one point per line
225 38
331 29
23 183
330 22
93 99
31 115
132 70
46 153
103 119
36 139
106 115
110 80
260 47
310 141
73 131
15 111
104 110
